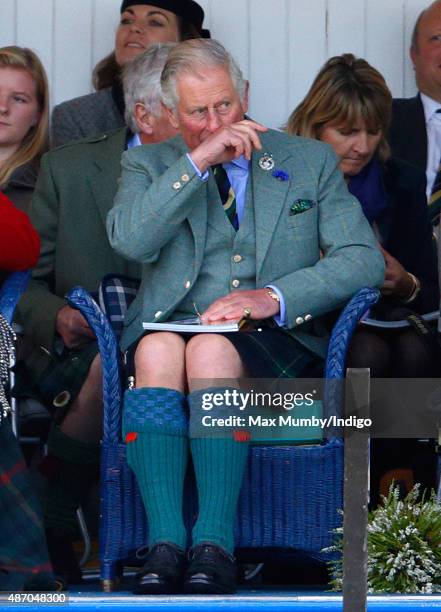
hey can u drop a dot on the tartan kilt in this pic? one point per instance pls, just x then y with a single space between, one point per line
274 353
269 353
24 560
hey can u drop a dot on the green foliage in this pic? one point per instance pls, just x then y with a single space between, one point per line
404 546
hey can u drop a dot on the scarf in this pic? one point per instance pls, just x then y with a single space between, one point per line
368 187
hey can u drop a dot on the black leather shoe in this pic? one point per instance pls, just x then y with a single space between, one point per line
162 572
211 570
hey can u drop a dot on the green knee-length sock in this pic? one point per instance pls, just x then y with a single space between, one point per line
155 429
219 465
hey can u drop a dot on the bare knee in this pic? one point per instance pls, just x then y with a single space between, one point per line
211 356
160 360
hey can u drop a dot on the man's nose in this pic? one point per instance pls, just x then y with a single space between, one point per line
213 122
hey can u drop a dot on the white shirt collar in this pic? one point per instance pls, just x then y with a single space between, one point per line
430 106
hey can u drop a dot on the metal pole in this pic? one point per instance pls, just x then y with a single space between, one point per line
356 486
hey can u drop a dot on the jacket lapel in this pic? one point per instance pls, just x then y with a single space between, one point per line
106 170
419 136
269 195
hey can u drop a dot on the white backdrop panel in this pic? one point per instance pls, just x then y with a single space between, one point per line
232 33
105 21
8 22
306 47
385 41
280 44
269 61
72 49
346 27
35 29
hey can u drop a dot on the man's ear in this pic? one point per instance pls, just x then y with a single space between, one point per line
143 119
171 116
245 97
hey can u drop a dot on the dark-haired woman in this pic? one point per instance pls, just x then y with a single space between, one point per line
141 24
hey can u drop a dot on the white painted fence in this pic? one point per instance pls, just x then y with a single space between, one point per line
280 44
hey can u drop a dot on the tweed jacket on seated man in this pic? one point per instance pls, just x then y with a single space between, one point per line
291 207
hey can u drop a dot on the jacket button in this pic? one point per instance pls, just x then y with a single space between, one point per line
308 317
176 185
187 284
185 178
235 283
158 314
237 258
299 320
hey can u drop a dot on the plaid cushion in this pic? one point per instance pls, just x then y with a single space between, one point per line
116 293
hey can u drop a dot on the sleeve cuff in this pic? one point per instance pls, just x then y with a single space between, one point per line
203 177
280 319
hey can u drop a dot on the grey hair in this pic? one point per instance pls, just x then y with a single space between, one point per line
191 55
142 81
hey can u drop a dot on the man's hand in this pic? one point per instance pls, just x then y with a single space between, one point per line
232 306
397 281
73 327
229 142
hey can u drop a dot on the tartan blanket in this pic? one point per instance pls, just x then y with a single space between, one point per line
24 561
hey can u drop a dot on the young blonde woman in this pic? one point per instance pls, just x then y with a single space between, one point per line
349 107
24 102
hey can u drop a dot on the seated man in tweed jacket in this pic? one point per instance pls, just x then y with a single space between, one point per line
74 192
259 256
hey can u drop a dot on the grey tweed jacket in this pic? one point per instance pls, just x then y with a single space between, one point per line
85 117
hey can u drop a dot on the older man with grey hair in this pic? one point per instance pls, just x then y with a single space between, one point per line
233 220
74 192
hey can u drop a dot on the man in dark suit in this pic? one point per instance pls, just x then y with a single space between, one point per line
415 133
74 192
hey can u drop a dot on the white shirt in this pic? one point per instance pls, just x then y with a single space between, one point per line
433 128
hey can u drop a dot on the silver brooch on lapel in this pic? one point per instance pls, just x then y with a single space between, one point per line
266 162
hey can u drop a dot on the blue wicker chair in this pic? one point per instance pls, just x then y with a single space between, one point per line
10 292
290 494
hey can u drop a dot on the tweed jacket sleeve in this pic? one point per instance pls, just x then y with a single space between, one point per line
84 117
39 306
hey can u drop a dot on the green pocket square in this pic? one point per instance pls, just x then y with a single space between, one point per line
300 206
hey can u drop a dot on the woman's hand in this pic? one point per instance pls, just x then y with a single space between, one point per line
236 305
397 281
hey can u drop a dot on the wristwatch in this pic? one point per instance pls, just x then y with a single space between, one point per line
272 294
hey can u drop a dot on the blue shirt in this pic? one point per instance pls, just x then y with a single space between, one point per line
237 171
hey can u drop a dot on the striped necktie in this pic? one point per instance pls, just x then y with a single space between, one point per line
435 198
227 195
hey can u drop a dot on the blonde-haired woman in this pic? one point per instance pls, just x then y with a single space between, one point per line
24 112
349 107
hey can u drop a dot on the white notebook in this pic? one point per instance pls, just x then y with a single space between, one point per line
194 326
